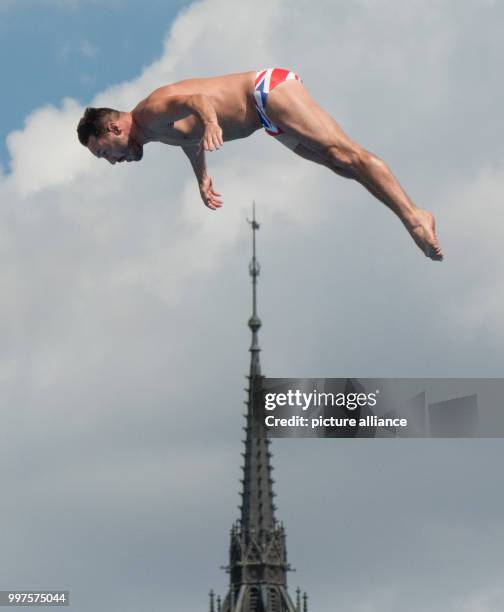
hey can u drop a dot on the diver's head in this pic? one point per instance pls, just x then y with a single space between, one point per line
107 133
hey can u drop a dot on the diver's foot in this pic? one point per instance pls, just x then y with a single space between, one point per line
423 232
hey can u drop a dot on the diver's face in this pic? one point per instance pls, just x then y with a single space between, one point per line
115 145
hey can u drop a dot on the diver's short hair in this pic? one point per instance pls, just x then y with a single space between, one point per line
93 122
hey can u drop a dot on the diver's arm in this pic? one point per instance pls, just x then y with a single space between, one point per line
196 156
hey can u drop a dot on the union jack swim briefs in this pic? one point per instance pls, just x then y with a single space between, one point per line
266 81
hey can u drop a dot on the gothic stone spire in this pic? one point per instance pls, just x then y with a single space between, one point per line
258 558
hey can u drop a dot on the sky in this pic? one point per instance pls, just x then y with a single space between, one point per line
52 49
124 303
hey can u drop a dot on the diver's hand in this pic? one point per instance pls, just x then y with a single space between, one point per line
212 136
211 199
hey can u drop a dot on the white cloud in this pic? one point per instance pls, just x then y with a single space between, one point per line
491 600
44 154
123 300
474 211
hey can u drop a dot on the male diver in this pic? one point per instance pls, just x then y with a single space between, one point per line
200 114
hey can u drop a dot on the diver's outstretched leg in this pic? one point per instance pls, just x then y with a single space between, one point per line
291 107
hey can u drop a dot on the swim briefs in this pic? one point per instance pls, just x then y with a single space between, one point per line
265 81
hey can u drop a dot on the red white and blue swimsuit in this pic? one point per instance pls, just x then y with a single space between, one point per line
266 81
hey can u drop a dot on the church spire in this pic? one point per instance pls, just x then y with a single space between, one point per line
257 509
257 555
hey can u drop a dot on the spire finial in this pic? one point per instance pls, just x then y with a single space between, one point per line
254 267
254 321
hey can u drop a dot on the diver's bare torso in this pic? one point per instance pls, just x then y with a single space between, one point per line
230 95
